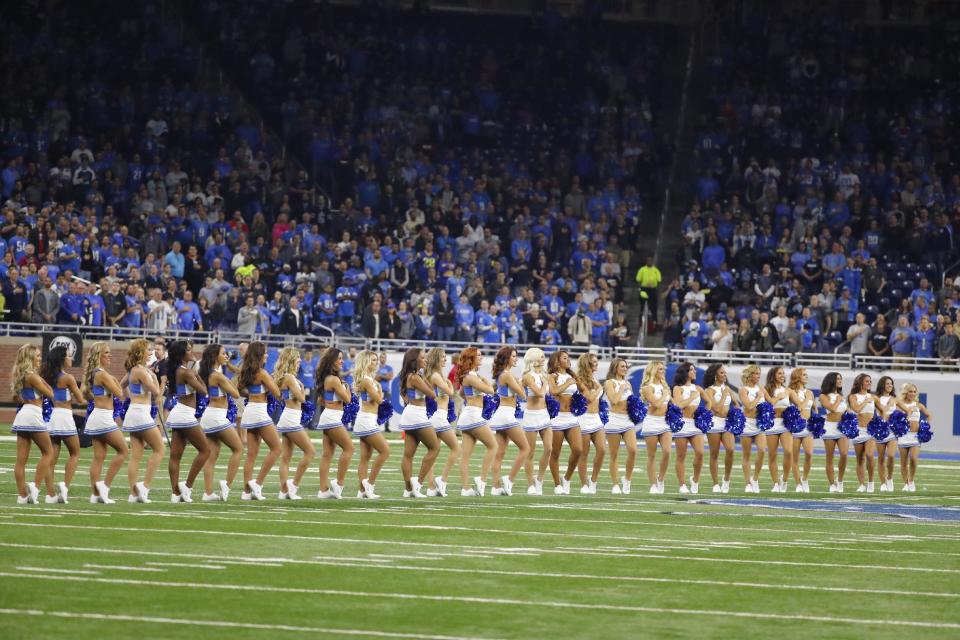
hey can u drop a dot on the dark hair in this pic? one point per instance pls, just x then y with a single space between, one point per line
858 383
410 361
251 365
772 378
710 376
208 361
553 363
829 384
501 361
681 374
176 352
325 367
53 365
882 382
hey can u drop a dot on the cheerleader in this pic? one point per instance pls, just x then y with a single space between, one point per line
909 444
101 387
471 422
864 404
886 448
433 373
415 423
366 428
28 425
686 395
831 398
805 402
591 427
334 393
254 382
183 384
750 396
142 388
775 392
562 383
289 425
653 391
504 423
63 428
719 398
619 427
536 419
216 427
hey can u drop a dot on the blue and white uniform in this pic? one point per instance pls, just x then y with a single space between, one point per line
689 427
289 421
330 418
564 420
471 417
100 421
654 425
29 418
138 416
868 409
535 420
832 429
887 405
414 417
619 422
750 428
255 414
439 419
62 424
782 403
182 416
719 422
505 416
910 439
366 424
214 419
802 397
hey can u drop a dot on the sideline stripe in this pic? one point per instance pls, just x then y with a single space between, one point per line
500 601
227 624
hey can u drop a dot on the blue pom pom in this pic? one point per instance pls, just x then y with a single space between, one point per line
384 411
47 409
274 406
118 410
604 411
350 410
202 401
674 418
878 429
231 410
736 421
636 409
431 406
553 406
817 426
90 407
154 411
703 418
490 406
793 420
307 411
518 412
848 425
578 404
169 403
451 411
765 416
925 432
898 423
124 408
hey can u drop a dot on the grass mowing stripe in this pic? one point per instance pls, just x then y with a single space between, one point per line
717 613
229 624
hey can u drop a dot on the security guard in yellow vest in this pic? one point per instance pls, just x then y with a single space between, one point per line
648 278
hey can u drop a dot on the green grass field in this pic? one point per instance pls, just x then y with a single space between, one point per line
552 567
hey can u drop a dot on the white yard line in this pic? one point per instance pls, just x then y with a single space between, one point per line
113 567
184 565
50 570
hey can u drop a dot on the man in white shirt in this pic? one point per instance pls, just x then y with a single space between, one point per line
859 334
159 312
781 322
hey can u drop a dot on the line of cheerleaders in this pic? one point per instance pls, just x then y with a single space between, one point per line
550 400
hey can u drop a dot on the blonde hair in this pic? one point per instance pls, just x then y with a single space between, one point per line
137 353
748 372
532 355
584 373
796 378
362 363
93 363
434 360
22 367
650 371
906 388
286 363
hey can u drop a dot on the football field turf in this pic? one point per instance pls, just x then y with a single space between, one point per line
603 566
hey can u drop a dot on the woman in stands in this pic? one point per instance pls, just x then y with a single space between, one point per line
504 423
63 428
334 393
591 427
216 427
142 389
184 384
776 393
433 373
289 425
536 419
686 395
909 444
29 426
750 396
886 448
254 382
864 404
471 422
656 394
719 399
619 428
415 423
831 398
101 387
366 429
804 400
563 383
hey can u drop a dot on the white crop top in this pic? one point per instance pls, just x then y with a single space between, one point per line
618 386
718 393
843 403
868 408
914 414
657 389
784 401
752 393
688 390
561 378
885 402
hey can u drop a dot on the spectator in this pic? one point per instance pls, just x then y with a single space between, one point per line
721 338
859 335
579 328
926 339
248 316
879 344
374 321
948 348
188 313
293 320
425 324
790 338
46 302
764 337
903 340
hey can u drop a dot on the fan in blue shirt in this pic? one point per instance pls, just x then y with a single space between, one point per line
926 339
